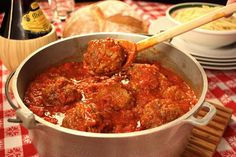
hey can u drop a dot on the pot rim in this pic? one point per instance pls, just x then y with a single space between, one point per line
108 135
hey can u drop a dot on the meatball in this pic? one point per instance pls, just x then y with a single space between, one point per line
104 56
145 96
143 80
158 112
60 92
186 98
174 92
164 83
143 76
83 117
110 95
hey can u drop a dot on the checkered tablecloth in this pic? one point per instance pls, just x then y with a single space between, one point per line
15 141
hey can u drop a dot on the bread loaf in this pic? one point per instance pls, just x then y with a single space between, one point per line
105 16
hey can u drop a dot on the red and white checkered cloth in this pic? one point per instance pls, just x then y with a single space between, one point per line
14 139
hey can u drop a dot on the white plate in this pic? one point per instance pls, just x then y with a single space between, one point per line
227 52
218 67
217 63
224 53
226 64
162 23
230 60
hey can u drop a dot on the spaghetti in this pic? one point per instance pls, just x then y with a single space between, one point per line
187 14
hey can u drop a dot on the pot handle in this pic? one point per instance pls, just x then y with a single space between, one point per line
22 116
206 119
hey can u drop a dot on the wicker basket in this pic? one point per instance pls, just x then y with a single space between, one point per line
12 52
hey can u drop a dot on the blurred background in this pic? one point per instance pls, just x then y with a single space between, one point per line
3 3
176 1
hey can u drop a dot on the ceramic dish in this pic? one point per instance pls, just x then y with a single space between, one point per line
227 52
215 67
216 60
223 58
163 23
202 37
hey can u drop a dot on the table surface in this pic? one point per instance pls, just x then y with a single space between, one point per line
14 138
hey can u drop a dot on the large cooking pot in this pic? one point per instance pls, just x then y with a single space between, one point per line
54 141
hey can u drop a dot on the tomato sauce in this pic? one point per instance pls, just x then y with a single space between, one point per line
138 98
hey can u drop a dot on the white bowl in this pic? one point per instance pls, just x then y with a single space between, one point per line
202 37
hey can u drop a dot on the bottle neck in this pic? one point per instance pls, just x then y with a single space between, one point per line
17 9
25 5
5 4
24 19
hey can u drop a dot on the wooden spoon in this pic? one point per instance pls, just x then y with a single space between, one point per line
133 48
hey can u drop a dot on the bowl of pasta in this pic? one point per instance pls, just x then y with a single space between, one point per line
215 34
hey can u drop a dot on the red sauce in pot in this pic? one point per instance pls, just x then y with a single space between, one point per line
141 97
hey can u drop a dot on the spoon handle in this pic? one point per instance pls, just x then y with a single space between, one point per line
180 29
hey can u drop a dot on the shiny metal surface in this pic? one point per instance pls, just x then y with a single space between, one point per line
52 140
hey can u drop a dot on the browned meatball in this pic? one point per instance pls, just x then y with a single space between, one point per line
158 112
60 92
143 79
143 76
110 95
104 56
83 117
174 92
164 83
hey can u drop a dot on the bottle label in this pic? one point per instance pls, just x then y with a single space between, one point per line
35 21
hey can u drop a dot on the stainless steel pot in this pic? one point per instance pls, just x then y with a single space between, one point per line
54 141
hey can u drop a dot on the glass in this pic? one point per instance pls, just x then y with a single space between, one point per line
61 9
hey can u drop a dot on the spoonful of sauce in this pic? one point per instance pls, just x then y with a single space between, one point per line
107 56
